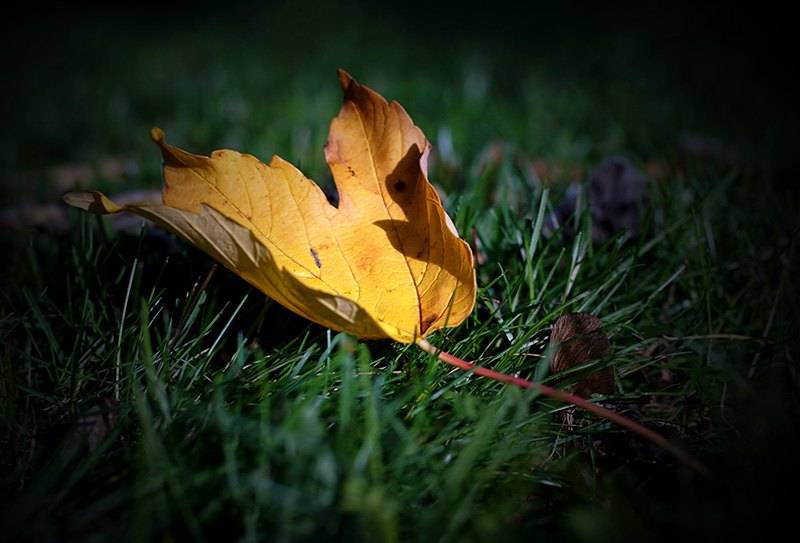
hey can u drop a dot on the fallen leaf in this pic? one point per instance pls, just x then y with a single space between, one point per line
98 422
617 191
578 338
387 262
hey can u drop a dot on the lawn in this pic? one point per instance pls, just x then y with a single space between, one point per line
147 393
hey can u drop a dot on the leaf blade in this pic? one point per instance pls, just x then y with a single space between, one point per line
387 262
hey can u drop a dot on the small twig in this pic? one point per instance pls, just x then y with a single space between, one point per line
571 399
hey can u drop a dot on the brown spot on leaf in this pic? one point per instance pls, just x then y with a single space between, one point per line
400 185
425 323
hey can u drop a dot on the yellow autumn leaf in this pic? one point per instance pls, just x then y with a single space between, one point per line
387 262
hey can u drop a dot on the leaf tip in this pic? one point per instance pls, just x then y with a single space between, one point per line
94 202
345 79
157 135
78 199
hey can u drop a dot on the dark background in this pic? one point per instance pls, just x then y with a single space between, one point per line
723 71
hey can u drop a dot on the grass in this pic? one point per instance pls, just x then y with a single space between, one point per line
236 419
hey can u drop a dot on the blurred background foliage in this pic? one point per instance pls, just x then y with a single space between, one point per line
557 80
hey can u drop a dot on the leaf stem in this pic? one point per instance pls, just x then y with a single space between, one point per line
571 399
